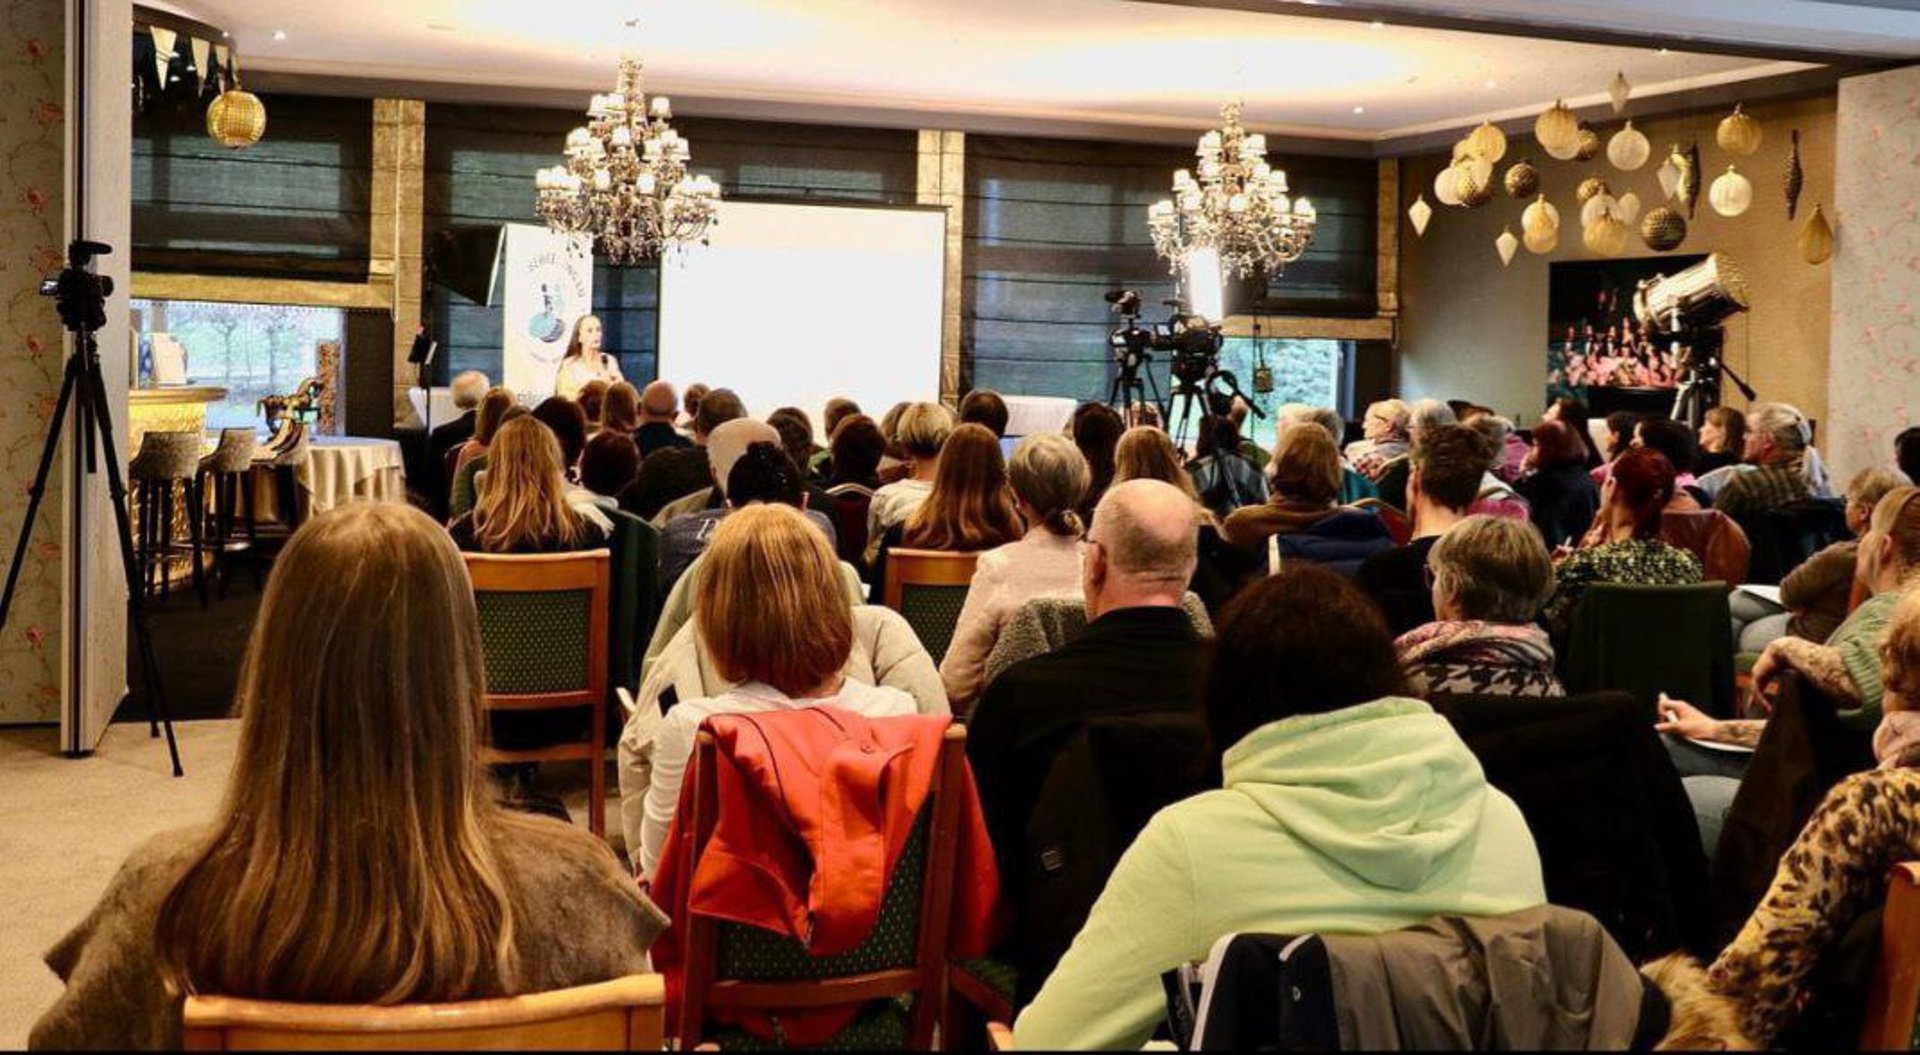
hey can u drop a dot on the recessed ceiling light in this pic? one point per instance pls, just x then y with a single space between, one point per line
279 35
1663 51
1377 24
1359 109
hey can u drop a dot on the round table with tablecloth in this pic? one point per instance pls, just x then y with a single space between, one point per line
339 469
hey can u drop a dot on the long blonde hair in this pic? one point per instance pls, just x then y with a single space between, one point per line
1148 453
524 502
353 859
970 507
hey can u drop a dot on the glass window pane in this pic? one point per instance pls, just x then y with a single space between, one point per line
252 350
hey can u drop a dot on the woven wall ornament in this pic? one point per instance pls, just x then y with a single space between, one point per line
1739 133
1558 132
1523 180
1663 229
1795 178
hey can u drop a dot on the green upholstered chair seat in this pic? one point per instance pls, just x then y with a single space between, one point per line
933 612
535 642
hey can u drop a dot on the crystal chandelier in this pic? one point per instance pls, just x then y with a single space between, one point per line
625 182
1238 206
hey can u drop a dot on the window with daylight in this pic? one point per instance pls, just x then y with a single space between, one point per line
251 350
1304 371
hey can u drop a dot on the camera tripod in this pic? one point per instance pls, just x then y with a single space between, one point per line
1130 392
1699 392
1213 393
81 301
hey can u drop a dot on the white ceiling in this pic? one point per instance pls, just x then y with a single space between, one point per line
985 62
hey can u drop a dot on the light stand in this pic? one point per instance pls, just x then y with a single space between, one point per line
80 296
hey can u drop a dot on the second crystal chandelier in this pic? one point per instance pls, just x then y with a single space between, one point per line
1238 206
625 182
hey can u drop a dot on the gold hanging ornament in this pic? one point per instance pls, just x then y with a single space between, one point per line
1505 246
1523 180
1473 183
1795 179
1446 186
1588 147
1605 236
1420 213
1601 204
1589 187
1558 132
1629 149
236 118
1541 242
1486 143
1816 238
1540 216
1739 133
1663 229
1618 92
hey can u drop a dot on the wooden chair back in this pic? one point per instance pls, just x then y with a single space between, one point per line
928 587
1722 547
543 627
703 991
1399 525
625 1014
1893 997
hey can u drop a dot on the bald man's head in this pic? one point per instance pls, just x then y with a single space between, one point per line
1149 530
658 403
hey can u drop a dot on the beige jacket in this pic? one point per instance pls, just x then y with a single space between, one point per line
885 652
1040 565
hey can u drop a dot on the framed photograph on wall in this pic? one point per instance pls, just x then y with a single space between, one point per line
1597 351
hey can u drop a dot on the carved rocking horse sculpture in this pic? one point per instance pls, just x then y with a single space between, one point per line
289 415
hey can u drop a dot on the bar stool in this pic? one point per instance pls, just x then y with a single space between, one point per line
230 469
164 460
284 457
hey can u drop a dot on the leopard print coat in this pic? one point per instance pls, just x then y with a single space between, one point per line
1836 868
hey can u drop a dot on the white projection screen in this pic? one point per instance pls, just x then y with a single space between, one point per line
793 304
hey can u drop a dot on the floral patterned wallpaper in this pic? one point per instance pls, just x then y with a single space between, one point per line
1874 381
32 145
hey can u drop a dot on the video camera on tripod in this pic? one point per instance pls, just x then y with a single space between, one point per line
1192 341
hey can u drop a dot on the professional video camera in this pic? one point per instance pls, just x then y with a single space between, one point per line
1192 340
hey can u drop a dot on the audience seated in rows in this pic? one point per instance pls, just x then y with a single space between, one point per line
655 431
1384 432
1620 434
1575 415
1354 486
1629 550
1815 597
1510 449
469 390
608 466
1561 498
853 458
672 473
1723 436
1490 576
1146 452
1777 457
796 435
969 508
1302 515
1423 415
563 417
619 412
1448 462
1225 479
758 470
836 410
592 400
768 610
1047 475
1096 429
494 408
359 856
523 506
986 408
1346 808
1846 668
920 431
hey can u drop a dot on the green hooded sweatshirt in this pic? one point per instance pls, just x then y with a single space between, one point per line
1358 821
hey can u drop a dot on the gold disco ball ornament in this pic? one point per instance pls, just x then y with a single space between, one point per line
1473 183
1590 188
236 119
1523 180
1663 229
1588 146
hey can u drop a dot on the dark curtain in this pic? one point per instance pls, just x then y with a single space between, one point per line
479 170
295 205
1054 224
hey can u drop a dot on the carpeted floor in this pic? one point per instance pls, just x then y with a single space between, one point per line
66 824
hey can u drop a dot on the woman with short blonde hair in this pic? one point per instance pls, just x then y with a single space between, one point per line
917 435
770 612
523 506
358 856
1048 476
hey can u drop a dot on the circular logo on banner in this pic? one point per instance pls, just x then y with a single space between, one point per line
548 325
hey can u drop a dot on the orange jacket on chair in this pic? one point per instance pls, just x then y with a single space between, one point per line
815 806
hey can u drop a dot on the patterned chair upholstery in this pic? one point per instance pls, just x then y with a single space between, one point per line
929 587
544 635
230 469
165 460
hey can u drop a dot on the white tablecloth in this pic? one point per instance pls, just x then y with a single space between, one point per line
1027 415
340 468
